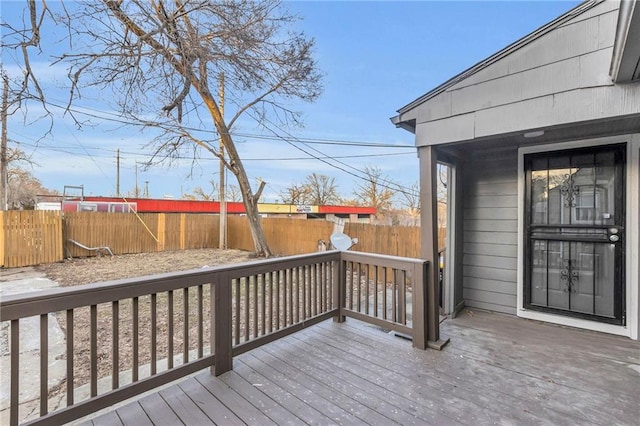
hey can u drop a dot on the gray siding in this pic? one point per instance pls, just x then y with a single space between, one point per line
559 78
489 261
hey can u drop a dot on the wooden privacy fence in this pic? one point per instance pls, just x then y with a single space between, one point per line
295 236
34 237
144 233
30 238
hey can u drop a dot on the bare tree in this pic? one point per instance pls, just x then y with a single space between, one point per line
163 60
375 190
23 187
295 194
24 40
212 193
411 199
209 194
233 194
322 189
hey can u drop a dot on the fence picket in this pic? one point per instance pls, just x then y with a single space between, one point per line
35 237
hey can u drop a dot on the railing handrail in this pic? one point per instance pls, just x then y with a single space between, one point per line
381 259
25 305
222 280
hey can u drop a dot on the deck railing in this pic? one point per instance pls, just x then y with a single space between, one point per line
125 337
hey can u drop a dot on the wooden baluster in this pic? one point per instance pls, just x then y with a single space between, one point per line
115 344
276 277
237 312
263 303
299 284
135 315
15 372
323 299
200 321
314 292
93 326
366 288
338 283
291 308
170 329
254 286
384 292
375 291
349 270
270 319
328 278
185 324
247 305
285 296
305 282
402 296
394 296
70 351
154 333
44 364
308 274
359 293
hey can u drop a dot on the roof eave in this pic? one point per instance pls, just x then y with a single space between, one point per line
625 61
408 125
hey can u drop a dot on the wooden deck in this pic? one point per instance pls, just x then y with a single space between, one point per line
497 369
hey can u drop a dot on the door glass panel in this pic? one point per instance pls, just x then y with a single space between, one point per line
558 296
575 199
539 267
539 196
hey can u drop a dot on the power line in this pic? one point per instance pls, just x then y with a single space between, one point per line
320 141
291 140
142 154
384 184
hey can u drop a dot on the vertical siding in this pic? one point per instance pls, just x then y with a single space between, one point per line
489 261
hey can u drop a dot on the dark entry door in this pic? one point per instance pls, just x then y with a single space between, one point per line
575 236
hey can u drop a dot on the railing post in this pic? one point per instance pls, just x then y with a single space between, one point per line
339 282
419 306
434 340
221 314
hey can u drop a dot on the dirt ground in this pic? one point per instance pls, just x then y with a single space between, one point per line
73 272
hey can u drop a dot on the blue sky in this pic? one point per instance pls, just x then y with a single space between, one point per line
376 57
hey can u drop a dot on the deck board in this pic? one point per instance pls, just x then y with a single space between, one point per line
209 404
234 401
364 412
489 388
368 396
133 414
108 419
158 411
186 410
497 369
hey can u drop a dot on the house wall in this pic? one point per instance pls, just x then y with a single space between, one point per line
490 234
559 78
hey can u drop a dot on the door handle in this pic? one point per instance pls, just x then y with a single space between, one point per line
614 238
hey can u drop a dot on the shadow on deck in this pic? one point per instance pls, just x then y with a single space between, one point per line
497 369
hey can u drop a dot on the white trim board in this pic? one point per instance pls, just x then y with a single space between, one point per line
632 259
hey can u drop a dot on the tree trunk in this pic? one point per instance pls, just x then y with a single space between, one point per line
250 203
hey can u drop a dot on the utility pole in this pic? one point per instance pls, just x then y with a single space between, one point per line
118 172
221 191
137 191
3 147
146 189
